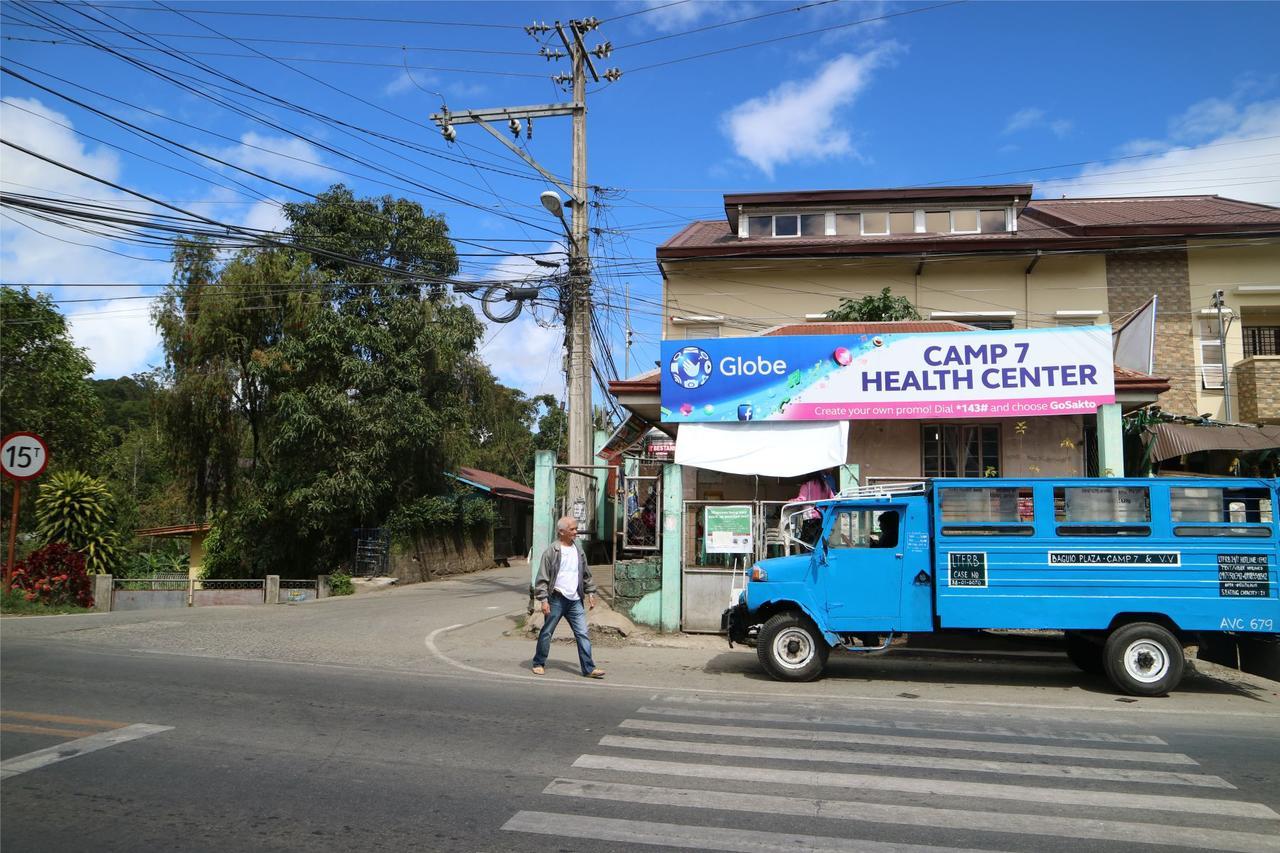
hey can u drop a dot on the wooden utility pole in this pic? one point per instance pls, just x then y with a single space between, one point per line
576 303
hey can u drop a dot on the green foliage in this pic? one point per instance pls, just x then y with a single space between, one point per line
883 306
340 584
76 509
169 559
54 575
308 396
15 603
442 514
44 386
222 556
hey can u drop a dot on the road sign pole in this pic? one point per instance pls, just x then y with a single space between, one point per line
13 535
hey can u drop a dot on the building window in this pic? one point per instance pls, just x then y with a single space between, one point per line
1076 319
1261 340
813 225
706 331
993 221
994 324
760 226
937 221
1212 362
960 450
848 224
902 222
875 222
964 222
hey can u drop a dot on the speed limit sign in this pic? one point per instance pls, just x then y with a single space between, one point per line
23 455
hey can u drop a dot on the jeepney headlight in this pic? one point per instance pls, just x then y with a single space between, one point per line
758 573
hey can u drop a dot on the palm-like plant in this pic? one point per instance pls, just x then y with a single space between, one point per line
76 509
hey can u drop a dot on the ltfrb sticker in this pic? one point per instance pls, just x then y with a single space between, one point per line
1244 576
967 569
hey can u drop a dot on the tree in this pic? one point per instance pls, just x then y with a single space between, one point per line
883 306
44 380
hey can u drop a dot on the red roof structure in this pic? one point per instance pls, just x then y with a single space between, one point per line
495 484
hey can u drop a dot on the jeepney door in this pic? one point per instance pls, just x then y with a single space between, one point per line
861 565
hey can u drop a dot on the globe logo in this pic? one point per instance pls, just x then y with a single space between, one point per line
691 367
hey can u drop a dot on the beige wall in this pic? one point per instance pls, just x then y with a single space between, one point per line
754 295
1227 266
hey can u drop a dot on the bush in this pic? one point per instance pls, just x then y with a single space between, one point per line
54 575
75 509
340 584
221 557
442 513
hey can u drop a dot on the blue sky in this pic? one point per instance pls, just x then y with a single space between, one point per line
1083 99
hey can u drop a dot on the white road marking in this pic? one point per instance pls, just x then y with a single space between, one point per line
899 725
939 787
44 757
812 736
925 762
843 700
897 814
701 837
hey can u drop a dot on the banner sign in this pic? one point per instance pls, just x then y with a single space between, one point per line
728 529
1014 373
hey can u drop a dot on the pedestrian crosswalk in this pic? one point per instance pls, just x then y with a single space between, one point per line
689 774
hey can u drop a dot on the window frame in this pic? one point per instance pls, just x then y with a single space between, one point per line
942 428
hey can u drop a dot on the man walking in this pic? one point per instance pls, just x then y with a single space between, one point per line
563 580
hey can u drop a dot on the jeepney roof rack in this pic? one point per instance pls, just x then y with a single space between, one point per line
885 490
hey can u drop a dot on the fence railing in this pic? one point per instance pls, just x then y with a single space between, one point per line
165 591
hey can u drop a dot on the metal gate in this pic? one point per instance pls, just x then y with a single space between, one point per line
711 582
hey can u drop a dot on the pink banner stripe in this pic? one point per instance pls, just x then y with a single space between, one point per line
1031 407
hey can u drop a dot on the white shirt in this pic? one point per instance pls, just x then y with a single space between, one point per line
567 577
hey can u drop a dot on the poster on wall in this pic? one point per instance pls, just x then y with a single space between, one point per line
1014 373
728 529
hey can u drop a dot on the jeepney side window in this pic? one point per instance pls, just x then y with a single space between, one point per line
863 528
1242 512
987 511
1102 510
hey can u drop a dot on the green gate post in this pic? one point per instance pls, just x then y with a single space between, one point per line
849 476
603 529
544 507
672 533
1110 441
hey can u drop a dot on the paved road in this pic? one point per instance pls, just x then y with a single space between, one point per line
408 721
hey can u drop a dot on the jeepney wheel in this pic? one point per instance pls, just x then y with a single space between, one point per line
1143 659
1084 653
791 648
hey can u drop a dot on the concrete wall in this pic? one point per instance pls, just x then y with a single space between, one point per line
759 294
1257 389
431 557
1239 271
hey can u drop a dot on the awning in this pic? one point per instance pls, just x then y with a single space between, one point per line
772 449
1180 439
629 434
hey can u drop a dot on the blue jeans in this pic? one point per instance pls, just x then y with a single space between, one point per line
577 615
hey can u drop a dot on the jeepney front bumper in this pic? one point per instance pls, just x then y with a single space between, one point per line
736 623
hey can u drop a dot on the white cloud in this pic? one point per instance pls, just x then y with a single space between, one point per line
265 216
1235 156
1024 119
118 336
803 120
523 353
402 83
285 157
663 16
1034 118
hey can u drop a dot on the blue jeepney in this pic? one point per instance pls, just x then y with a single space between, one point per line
1131 570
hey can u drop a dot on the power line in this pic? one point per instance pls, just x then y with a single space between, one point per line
818 31
361 18
709 27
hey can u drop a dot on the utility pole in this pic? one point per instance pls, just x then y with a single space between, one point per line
576 301
1220 303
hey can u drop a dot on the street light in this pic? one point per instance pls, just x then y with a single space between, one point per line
551 201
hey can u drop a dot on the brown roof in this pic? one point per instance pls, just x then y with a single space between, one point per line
496 484
1165 210
1043 224
174 530
888 195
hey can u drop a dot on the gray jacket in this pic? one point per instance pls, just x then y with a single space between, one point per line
549 567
